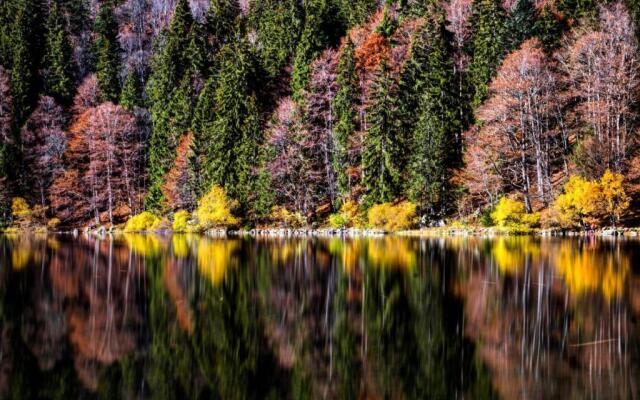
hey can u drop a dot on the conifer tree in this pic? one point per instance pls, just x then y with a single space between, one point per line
355 12
521 23
549 29
130 96
488 46
312 41
58 75
432 151
222 20
202 127
345 112
5 33
382 147
163 89
22 70
579 10
277 24
107 53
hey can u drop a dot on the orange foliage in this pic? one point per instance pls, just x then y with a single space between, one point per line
176 187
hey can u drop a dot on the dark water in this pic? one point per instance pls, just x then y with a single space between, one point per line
186 317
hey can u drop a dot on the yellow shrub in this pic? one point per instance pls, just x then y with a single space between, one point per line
392 217
348 216
591 202
20 208
281 216
510 213
215 209
142 222
181 221
53 223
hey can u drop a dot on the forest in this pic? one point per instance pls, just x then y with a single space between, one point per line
394 113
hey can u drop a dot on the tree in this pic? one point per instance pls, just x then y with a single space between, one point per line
5 121
24 65
521 23
602 65
101 180
522 122
107 51
178 184
43 141
130 96
222 20
488 46
345 114
433 141
215 209
381 172
58 74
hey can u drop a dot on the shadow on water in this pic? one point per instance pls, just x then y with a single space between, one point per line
189 317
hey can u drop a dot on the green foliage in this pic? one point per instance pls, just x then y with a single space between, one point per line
437 123
549 29
58 75
107 52
222 21
143 222
345 112
382 145
392 217
130 96
521 23
488 45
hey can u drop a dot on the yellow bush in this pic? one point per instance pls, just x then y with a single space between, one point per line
53 223
510 213
392 217
348 216
281 216
20 208
215 209
591 202
142 222
181 221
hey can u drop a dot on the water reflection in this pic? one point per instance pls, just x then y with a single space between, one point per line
192 317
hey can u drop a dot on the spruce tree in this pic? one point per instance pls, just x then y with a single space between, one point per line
549 29
277 24
312 41
345 112
488 46
222 20
432 152
6 13
23 70
382 147
355 12
107 53
579 10
58 75
130 96
168 69
521 23
202 126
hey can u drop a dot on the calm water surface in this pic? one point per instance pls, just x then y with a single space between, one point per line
188 317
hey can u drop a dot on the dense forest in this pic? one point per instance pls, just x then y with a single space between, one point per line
302 110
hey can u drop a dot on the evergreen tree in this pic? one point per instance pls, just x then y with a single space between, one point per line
345 112
382 147
234 133
277 25
488 46
437 122
549 29
222 20
5 33
201 126
355 12
130 96
521 23
107 53
23 85
57 60
579 10
169 66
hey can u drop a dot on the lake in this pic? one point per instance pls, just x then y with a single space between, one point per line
190 317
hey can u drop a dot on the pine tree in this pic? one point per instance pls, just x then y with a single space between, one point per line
488 46
107 52
130 96
166 82
521 23
433 155
549 29
234 133
277 25
57 60
382 147
345 113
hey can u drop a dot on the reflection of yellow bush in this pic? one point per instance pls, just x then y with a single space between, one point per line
589 270
215 257
145 245
142 222
392 217
391 252
510 252
348 252
19 258
180 246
